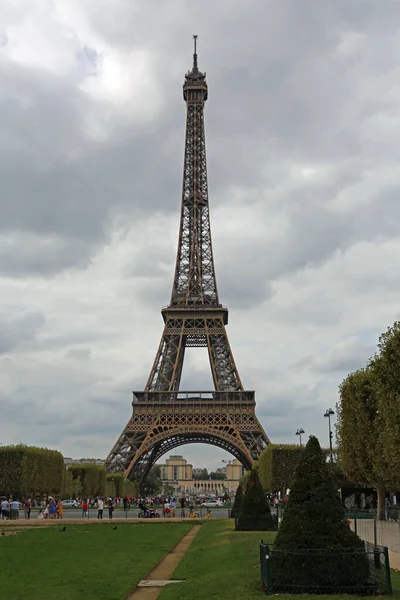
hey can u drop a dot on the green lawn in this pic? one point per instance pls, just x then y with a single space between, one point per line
86 562
224 564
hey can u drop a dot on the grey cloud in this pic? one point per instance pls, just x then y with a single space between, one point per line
16 331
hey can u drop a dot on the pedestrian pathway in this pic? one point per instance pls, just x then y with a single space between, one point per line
150 588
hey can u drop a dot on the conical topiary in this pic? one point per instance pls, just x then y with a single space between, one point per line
314 520
254 513
237 502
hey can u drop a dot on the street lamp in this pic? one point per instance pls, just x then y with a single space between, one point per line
299 433
328 413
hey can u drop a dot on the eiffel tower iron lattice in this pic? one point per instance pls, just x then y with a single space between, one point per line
163 416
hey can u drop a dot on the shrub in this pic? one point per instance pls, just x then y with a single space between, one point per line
254 513
314 519
237 502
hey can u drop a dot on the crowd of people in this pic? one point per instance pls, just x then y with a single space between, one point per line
52 508
10 509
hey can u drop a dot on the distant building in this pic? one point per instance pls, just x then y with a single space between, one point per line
177 473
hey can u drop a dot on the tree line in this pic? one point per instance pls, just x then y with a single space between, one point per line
29 471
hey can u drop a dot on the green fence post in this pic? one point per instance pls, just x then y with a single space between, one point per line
387 566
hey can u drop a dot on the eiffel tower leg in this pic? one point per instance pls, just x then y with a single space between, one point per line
223 367
167 368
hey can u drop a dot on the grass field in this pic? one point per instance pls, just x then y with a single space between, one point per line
86 562
91 561
224 565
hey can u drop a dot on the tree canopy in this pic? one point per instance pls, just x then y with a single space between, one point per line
30 471
368 427
277 466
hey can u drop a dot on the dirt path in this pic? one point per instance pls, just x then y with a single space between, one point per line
150 588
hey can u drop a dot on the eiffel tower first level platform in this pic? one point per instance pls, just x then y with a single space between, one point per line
165 417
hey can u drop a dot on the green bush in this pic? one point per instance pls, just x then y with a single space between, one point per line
254 512
237 502
30 471
314 519
277 467
92 478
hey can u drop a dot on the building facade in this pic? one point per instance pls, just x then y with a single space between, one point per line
178 474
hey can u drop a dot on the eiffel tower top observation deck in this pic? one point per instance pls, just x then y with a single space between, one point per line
163 416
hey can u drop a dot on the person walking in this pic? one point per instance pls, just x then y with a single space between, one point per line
100 508
27 507
182 503
84 507
110 508
5 509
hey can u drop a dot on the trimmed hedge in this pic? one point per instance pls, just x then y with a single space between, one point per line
237 502
30 471
92 478
277 466
255 512
314 520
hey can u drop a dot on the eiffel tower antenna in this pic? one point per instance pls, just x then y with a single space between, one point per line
195 67
164 417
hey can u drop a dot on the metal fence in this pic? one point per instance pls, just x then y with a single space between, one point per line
315 571
378 532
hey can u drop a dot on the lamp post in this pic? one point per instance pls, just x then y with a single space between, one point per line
299 432
328 413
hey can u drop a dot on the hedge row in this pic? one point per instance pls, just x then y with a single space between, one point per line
30 471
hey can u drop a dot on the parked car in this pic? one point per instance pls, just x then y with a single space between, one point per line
70 504
212 503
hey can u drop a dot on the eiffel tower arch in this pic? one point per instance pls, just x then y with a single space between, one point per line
165 417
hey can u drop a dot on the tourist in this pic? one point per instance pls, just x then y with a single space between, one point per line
387 506
100 508
59 509
52 509
14 507
46 511
5 508
172 506
85 507
27 507
40 514
182 503
110 508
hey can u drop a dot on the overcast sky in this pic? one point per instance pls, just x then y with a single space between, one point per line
302 129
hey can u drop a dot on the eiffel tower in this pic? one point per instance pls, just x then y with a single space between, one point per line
165 417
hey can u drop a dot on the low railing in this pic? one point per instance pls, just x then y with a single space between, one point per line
333 571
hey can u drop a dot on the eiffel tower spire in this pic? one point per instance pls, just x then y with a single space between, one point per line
194 281
163 416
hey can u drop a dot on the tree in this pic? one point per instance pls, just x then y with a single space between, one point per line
237 503
387 385
357 426
215 475
314 519
254 512
30 471
203 475
92 478
151 485
277 466
368 417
